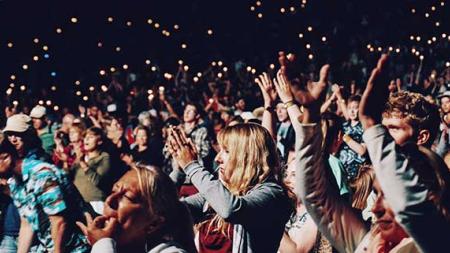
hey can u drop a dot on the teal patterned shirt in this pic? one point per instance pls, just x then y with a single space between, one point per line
42 191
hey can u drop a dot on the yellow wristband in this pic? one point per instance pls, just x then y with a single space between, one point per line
288 104
346 138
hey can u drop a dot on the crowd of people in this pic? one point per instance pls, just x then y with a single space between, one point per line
280 164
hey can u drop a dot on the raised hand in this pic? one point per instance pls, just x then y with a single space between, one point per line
315 92
181 148
283 87
267 89
375 94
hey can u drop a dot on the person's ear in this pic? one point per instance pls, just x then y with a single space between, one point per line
155 225
423 137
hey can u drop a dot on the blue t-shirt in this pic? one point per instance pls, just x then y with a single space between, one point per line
11 222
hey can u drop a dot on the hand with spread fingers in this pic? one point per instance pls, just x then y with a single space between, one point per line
182 149
376 93
98 228
267 89
283 87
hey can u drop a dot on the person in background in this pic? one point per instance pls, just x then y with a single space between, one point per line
352 151
148 148
415 180
9 220
43 128
92 173
48 202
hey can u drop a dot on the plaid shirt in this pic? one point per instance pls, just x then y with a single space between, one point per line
45 190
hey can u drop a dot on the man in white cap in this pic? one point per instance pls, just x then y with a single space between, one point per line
45 133
48 202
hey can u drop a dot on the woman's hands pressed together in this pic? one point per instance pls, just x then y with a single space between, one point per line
181 148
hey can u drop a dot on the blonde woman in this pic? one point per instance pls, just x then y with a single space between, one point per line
248 202
142 214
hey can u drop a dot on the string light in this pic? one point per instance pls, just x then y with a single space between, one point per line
104 88
85 98
36 40
210 32
149 21
147 62
53 88
12 77
78 82
56 108
272 66
25 67
48 102
78 93
260 15
102 72
129 23
183 46
125 66
58 30
23 87
110 19
300 35
45 48
74 20
35 58
10 44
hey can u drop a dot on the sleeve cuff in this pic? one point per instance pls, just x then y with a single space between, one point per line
104 245
192 167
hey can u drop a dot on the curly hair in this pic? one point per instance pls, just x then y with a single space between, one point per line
421 113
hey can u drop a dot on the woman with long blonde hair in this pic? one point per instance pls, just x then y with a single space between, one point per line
249 203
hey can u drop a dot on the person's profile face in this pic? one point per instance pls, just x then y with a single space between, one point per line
38 123
385 222
127 206
222 159
399 128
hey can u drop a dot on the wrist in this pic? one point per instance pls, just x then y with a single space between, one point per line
346 138
288 103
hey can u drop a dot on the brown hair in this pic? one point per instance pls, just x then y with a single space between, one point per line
420 113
